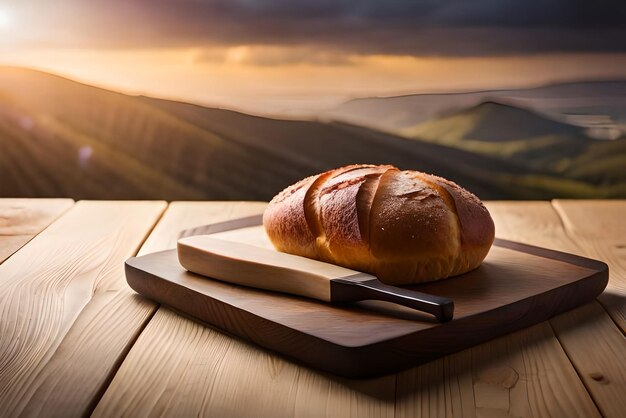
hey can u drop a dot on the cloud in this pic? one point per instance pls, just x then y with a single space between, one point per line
405 27
491 13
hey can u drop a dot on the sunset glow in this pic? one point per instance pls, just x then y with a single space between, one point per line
292 87
248 57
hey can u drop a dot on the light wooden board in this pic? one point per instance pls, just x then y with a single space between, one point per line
526 373
591 340
179 367
599 229
22 219
508 376
597 348
66 313
538 222
595 344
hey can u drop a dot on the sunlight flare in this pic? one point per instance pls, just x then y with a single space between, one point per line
6 18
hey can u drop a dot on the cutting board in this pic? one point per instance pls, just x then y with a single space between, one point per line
516 286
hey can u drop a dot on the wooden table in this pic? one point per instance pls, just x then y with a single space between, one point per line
75 339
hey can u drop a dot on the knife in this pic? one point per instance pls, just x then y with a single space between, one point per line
262 268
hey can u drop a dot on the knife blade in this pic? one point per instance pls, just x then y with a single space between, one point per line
262 268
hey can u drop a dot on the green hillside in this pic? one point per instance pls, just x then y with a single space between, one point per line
537 143
493 122
63 138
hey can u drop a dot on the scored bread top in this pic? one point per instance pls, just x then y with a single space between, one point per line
403 226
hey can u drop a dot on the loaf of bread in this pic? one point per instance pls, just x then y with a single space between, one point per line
404 227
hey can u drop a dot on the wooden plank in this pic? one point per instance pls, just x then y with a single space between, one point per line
597 348
599 229
526 373
591 340
22 219
67 315
523 374
181 368
534 223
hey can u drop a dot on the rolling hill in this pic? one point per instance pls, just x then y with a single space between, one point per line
59 137
529 139
494 122
596 105
63 138
506 132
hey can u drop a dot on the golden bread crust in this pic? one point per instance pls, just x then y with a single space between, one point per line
405 227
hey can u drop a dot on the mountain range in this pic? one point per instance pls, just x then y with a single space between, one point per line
59 137
598 106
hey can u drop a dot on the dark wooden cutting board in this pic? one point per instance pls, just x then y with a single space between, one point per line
516 286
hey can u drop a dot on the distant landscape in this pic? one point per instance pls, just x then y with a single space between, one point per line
59 137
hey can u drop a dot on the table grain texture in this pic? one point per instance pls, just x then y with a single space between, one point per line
75 340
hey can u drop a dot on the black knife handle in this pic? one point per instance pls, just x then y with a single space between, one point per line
343 290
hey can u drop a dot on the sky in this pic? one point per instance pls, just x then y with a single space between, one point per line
288 55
